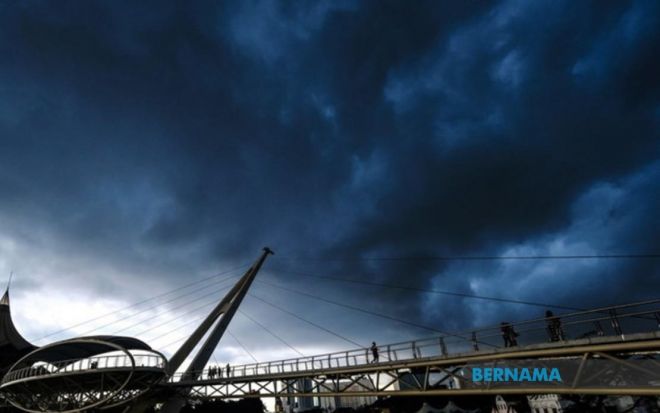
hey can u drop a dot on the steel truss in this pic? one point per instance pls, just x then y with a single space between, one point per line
610 368
70 393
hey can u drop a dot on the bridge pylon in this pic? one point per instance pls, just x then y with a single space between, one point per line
224 312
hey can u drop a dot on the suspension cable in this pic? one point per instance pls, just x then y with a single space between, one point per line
362 310
444 292
158 305
479 257
271 332
178 339
206 304
348 340
178 289
244 348
433 291
167 333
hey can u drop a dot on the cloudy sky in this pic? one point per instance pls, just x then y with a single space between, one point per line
147 146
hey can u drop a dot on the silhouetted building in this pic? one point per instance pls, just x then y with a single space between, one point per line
12 345
304 403
355 402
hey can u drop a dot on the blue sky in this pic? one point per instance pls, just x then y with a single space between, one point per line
145 146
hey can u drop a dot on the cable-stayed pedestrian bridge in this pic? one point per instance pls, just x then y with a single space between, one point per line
441 365
607 350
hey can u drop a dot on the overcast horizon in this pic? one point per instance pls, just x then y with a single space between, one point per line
146 146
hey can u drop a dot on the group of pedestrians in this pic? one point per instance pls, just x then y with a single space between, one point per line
509 335
553 327
216 371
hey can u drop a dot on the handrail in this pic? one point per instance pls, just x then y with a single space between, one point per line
562 316
440 344
94 363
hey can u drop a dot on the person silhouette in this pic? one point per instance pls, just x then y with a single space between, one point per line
555 331
374 352
508 334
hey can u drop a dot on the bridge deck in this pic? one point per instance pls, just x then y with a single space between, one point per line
640 342
600 359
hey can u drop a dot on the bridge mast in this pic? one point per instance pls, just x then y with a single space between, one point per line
226 308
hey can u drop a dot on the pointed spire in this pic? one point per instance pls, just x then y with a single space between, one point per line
5 298
12 345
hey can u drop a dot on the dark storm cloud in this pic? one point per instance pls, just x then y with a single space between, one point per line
167 139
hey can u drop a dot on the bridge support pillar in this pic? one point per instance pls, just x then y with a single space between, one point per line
227 309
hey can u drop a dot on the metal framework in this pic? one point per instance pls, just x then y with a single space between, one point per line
449 375
227 309
609 351
36 384
439 365
99 378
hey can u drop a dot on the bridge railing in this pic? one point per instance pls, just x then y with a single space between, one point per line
119 361
614 321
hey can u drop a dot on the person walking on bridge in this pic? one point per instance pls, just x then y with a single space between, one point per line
508 334
555 331
228 370
374 352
